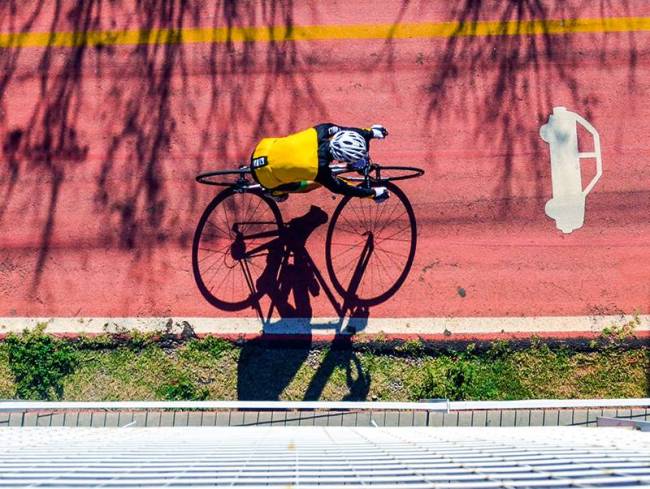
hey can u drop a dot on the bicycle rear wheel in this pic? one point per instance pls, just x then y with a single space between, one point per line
236 250
223 178
370 247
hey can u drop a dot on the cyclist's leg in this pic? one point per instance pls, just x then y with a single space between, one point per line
287 187
295 187
307 186
280 193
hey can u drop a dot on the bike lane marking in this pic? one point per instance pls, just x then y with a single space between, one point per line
422 30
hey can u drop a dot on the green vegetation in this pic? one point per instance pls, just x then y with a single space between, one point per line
34 365
492 375
39 363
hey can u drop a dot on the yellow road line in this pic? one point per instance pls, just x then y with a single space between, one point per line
325 32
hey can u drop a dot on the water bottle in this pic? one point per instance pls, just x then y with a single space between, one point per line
567 207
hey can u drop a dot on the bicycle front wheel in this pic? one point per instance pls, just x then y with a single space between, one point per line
383 174
370 247
236 250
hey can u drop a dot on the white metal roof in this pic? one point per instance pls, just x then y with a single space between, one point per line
431 405
325 457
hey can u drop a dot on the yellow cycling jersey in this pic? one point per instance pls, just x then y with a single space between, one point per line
277 161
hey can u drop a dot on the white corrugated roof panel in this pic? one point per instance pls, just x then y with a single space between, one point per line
324 457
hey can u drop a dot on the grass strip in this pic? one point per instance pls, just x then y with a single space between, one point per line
166 366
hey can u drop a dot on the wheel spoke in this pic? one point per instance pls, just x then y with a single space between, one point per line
219 251
352 229
408 225
361 214
252 262
348 249
398 266
218 228
349 262
405 240
225 214
215 274
392 219
254 212
390 252
218 259
357 216
347 244
378 216
339 255
248 208
367 211
386 271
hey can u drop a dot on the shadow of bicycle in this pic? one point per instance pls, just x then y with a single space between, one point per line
244 256
282 296
292 279
257 262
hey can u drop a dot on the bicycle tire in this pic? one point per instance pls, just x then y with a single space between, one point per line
363 296
378 173
207 177
231 265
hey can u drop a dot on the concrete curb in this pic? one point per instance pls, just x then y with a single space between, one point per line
436 329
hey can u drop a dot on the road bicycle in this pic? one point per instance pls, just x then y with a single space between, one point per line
369 247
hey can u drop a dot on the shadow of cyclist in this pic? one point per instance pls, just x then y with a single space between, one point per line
291 278
340 355
268 365
290 271
266 369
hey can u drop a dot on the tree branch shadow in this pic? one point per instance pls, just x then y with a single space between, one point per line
507 83
149 93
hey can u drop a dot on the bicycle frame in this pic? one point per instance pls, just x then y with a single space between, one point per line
244 185
367 175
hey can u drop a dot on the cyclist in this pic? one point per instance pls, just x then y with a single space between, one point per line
300 162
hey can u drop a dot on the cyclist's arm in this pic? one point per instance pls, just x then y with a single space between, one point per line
325 176
338 186
327 130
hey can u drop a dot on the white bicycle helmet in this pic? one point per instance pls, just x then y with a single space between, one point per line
348 146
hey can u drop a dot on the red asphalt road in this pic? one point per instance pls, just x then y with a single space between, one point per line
100 147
